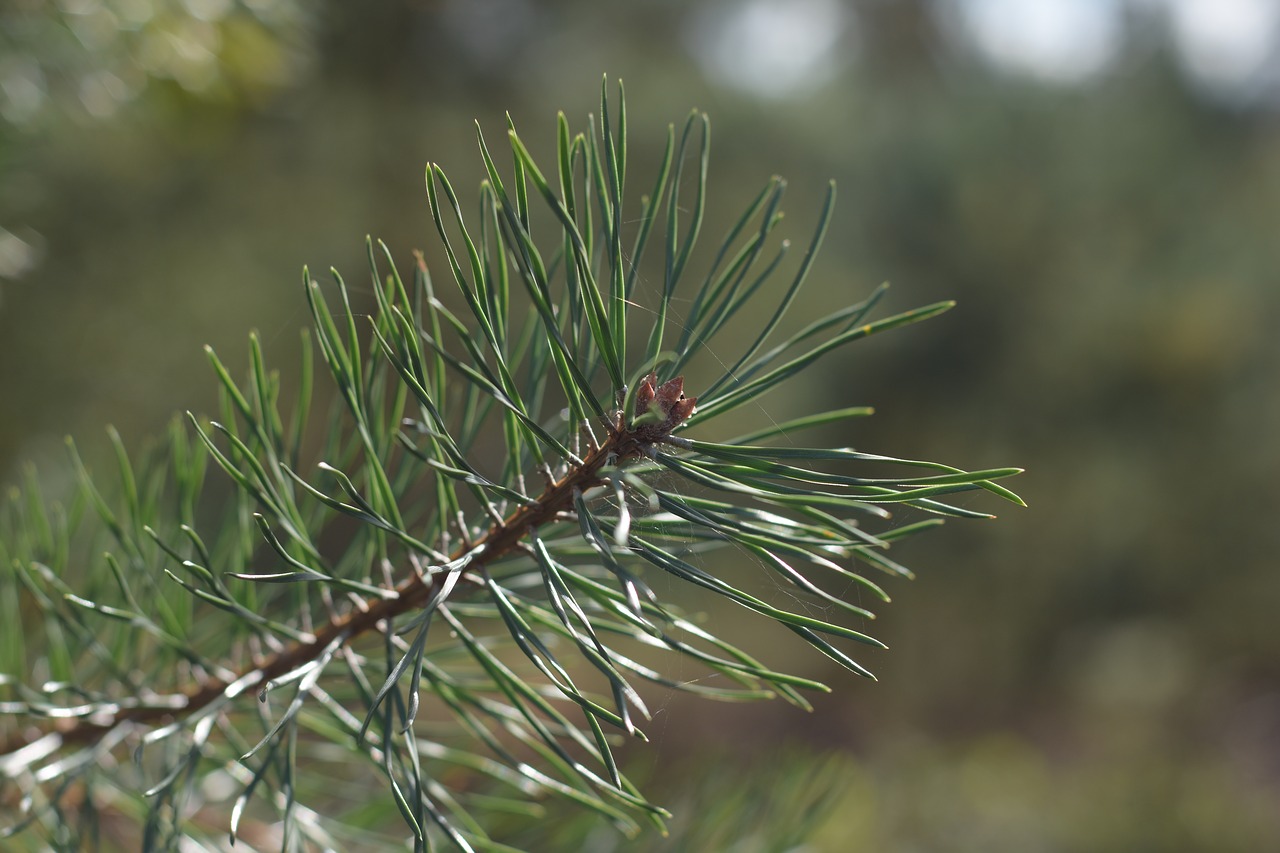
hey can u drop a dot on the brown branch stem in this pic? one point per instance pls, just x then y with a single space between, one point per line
500 539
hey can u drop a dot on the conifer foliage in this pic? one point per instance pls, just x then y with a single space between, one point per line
444 589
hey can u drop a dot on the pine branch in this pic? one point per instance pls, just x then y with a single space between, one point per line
440 422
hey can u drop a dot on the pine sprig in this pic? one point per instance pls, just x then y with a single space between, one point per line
451 570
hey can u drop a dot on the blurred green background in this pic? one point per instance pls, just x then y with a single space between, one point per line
1096 181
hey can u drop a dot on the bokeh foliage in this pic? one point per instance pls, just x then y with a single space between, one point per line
1110 247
